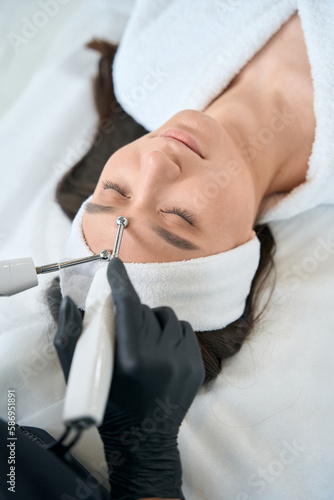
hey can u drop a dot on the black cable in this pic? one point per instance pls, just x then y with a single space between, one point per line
59 448
75 439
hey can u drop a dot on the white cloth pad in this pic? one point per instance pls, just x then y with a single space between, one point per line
209 292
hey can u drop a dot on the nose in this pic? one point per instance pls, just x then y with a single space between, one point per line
157 171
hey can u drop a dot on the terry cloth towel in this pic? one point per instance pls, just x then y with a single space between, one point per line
177 55
208 292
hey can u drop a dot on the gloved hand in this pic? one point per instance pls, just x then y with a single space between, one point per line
157 373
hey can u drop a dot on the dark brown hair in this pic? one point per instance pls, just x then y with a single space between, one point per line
116 129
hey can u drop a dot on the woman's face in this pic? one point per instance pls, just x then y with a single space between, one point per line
181 201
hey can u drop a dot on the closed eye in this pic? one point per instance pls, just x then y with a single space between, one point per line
182 213
175 210
115 187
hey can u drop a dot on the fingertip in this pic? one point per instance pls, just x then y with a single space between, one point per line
116 273
124 295
67 306
118 278
69 314
115 263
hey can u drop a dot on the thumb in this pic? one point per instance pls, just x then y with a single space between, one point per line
124 295
119 280
68 333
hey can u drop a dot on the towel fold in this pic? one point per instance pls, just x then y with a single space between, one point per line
209 292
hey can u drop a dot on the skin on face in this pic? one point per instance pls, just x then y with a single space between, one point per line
153 176
222 190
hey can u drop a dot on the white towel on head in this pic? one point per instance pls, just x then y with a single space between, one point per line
182 55
209 292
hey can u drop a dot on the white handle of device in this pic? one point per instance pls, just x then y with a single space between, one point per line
17 275
91 370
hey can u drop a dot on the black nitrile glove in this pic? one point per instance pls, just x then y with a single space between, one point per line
68 333
157 372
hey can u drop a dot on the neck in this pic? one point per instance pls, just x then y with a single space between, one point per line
265 129
268 112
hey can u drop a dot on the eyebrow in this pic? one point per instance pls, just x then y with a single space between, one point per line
95 208
171 238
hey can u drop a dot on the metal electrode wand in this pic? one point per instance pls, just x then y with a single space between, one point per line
92 364
50 268
121 222
17 275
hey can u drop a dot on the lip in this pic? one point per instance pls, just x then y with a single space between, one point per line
184 138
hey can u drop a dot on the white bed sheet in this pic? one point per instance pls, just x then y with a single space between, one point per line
264 431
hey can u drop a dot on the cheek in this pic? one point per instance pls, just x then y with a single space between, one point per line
229 211
209 191
97 233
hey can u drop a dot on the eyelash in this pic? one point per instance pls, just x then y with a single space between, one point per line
182 213
115 187
175 210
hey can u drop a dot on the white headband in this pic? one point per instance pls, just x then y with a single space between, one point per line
209 292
